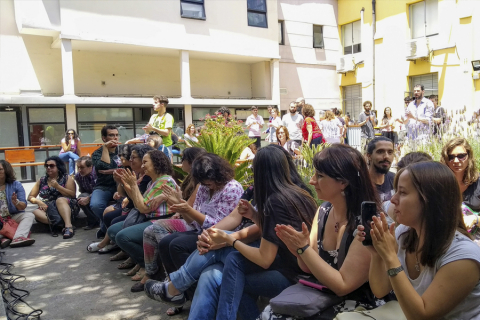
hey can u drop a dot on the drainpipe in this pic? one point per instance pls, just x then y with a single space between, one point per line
374 23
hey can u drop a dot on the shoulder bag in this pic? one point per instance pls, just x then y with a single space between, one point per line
8 227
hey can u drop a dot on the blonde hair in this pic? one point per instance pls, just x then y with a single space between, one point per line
157 140
285 130
187 131
329 115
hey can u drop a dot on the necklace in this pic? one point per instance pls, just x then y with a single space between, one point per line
337 224
417 265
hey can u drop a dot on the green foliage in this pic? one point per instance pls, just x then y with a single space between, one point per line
305 167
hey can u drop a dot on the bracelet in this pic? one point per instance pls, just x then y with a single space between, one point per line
18 201
233 244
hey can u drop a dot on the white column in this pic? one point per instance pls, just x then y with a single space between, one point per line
71 117
67 67
185 74
188 115
275 76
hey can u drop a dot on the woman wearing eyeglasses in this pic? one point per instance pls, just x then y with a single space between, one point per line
70 149
57 192
457 154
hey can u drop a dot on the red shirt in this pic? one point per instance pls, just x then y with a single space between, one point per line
316 132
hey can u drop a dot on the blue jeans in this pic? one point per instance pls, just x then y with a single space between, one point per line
130 239
242 283
98 202
205 300
71 158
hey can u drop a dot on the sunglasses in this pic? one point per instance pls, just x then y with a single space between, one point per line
460 156
51 166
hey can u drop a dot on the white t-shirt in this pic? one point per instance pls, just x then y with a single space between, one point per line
461 248
186 136
277 122
247 154
294 125
254 130
331 130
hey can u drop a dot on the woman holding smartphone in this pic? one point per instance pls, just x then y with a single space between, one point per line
342 181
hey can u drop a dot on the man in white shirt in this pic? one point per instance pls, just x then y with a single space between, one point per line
254 125
294 121
419 115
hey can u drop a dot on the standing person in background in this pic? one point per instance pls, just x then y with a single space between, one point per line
331 128
294 121
269 109
338 115
161 123
312 135
273 125
106 159
254 124
439 116
388 124
70 149
367 121
300 102
419 115
86 179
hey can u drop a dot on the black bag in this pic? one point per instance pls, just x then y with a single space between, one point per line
53 217
134 217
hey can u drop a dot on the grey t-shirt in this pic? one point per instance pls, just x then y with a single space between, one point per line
461 248
367 128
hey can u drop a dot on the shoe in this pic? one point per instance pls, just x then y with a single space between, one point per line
174 311
137 287
91 226
108 248
127 264
100 234
68 233
93 247
21 242
120 256
156 290
5 242
133 271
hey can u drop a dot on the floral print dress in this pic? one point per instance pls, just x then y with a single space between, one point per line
48 194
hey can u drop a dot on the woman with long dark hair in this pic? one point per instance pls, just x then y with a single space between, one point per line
388 124
431 262
55 186
343 182
70 151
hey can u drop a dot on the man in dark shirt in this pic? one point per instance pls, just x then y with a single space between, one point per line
105 160
367 121
380 155
86 179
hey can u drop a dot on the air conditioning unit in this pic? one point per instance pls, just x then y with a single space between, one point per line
346 64
417 49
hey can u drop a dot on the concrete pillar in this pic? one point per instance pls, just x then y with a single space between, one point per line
185 74
71 117
275 76
188 115
67 67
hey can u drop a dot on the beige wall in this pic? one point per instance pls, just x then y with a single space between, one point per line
306 71
261 80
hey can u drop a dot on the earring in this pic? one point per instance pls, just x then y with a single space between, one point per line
343 193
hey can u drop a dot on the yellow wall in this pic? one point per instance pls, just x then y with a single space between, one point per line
452 51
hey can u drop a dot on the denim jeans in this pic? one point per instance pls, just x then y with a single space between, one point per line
205 300
191 271
91 217
130 239
71 158
98 202
242 283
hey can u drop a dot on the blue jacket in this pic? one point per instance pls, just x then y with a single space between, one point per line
9 190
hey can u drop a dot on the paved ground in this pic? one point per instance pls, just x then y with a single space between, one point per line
67 282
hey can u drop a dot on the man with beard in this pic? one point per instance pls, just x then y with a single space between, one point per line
380 153
367 122
419 115
293 121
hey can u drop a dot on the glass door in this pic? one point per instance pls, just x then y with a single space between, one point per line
11 133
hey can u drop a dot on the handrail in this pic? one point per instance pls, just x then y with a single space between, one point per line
48 146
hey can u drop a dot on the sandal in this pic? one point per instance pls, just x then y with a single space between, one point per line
120 256
68 233
134 270
93 247
127 264
109 247
174 311
139 275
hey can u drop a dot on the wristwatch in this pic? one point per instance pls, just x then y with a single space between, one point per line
302 250
394 271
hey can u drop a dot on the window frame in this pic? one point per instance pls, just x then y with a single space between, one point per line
197 2
410 12
264 12
343 38
313 36
282 32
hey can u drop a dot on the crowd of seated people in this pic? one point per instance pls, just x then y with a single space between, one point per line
223 247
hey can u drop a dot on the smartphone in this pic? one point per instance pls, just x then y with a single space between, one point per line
369 210
315 285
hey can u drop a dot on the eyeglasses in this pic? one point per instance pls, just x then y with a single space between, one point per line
460 156
71 133
133 157
51 166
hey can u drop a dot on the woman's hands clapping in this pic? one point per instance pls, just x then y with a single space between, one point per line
292 238
383 238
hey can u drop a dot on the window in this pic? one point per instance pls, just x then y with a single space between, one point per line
193 9
46 126
429 81
352 37
424 19
257 13
281 40
352 101
317 37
